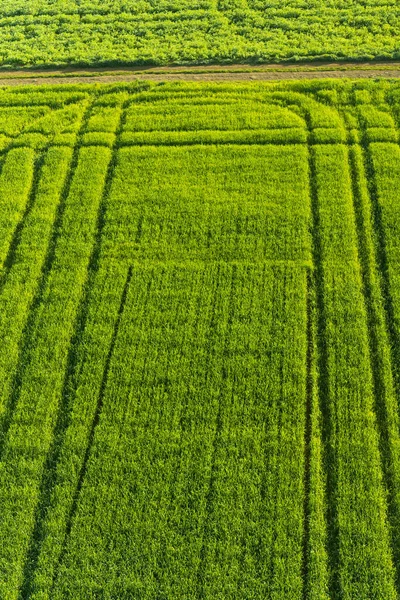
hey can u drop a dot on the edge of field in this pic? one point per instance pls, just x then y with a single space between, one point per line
267 72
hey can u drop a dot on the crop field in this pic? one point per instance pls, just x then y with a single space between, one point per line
200 342
159 32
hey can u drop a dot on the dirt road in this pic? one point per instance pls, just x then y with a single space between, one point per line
202 73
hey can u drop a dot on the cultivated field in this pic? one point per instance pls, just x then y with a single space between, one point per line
62 32
200 333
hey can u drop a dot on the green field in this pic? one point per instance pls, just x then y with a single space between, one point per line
200 342
84 32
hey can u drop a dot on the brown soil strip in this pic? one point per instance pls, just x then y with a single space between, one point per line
217 77
272 72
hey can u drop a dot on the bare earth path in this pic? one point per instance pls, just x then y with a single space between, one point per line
202 73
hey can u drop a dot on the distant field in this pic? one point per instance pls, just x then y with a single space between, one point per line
85 32
200 333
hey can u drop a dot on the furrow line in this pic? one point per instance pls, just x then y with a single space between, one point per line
201 583
328 460
277 481
358 529
307 440
382 260
383 339
315 558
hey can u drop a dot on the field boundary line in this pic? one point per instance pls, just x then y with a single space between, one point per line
323 378
191 68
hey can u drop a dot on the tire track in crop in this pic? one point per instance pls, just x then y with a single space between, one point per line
324 379
278 415
7 266
382 255
68 488
24 351
201 581
18 168
367 287
375 341
387 335
366 275
92 270
95 422
307 437
382 259
47 266
202 562
48 480
270 459
16 237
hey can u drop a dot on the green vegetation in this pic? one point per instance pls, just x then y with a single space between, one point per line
84 32
200 325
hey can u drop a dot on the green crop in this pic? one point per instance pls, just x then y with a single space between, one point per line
123 32
200 327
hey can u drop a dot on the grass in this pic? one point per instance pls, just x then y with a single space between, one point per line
199 314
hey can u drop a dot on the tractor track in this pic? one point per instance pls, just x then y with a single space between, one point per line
221 73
